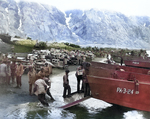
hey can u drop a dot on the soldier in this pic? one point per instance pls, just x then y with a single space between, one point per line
86 66
8 73
79 75
121 61
41 74
3 72
47 70
66 84
48 82
32 77
40 89
19 72
13 68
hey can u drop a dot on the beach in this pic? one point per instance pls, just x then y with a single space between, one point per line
16 103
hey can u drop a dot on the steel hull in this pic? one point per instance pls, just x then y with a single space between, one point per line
129 89
120 92
138 63
126 68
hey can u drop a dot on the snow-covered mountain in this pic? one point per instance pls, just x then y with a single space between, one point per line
91 27
37 21
107 28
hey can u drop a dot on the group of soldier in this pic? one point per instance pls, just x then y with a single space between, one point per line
39 82
81 75
42 83
9 70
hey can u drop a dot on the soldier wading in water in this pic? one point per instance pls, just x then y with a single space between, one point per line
66 85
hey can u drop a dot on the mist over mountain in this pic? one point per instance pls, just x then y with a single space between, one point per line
86 28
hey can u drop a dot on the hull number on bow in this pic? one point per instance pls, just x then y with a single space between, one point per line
135 62
124 90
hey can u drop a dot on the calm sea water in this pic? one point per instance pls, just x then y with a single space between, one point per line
17 104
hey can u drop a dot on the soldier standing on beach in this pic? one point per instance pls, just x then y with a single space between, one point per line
32 77
86 66
3 72
41 74
19 72
79 75
13 68
47 70
8 73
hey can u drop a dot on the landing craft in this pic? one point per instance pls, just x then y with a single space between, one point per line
129 87
125 88
138 62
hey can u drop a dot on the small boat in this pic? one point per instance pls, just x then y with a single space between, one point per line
137 62
125 88
125 68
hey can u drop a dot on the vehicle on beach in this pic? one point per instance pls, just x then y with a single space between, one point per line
73 61
125 88
59 63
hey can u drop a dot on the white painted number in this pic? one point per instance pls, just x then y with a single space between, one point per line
135 62
124 90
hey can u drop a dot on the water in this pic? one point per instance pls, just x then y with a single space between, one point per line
18 104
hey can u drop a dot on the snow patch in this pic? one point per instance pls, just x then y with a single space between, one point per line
6 9
68 19
20 21
83 14
99 18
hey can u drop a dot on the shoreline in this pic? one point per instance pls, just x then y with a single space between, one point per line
12 98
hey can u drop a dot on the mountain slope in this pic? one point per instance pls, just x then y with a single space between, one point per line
87 28
110 28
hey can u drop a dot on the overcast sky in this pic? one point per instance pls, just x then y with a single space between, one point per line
127 7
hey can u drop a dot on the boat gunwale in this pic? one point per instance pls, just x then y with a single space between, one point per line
109 78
